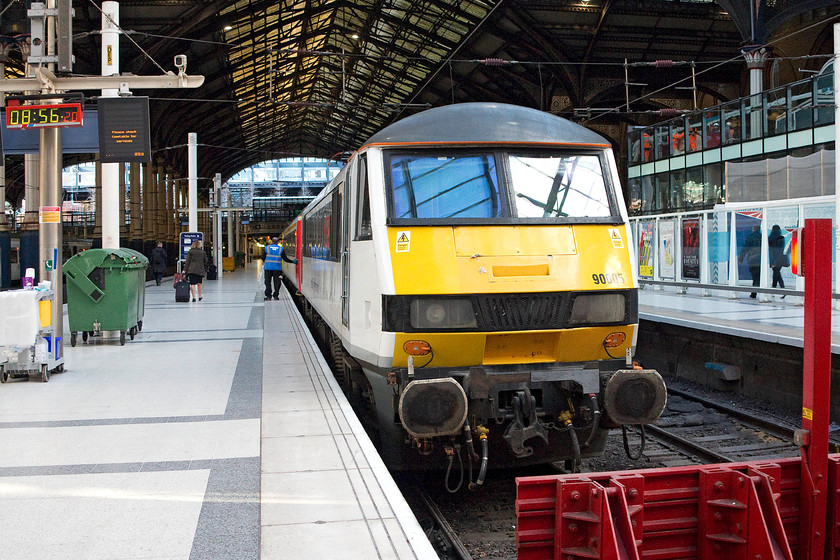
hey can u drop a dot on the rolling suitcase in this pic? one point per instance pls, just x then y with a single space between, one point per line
212 272
182 291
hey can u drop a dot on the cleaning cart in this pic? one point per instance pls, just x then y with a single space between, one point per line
27 344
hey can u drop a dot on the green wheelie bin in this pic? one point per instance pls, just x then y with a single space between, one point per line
106 291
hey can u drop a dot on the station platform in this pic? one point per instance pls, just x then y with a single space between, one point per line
772 319
218 433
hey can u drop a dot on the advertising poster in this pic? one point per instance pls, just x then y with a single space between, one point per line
666 249
748 240
691 248
646 249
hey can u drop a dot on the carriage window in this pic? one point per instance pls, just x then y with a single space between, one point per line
555 185
444 186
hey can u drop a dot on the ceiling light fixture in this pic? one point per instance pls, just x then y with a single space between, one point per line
354 36
228 27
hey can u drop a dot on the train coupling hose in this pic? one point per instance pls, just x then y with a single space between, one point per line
566 418
482 472
451 452
470 447
596 420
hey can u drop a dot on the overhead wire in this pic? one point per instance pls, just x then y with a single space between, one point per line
136 44
9 5
718 65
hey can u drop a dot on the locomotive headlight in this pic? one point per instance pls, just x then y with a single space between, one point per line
597 308
442 314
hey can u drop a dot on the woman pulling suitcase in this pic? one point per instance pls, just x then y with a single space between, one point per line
196 269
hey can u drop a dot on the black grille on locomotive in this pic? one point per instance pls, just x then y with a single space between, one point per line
520 312
506 312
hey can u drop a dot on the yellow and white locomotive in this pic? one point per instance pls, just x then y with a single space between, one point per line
471 275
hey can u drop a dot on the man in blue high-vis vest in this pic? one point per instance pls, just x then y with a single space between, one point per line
273 268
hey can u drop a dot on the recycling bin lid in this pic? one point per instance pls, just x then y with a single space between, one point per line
86 261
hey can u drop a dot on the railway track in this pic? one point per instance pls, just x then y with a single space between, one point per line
446 542
697 429
440 533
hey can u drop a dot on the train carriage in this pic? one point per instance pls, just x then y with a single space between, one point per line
471 275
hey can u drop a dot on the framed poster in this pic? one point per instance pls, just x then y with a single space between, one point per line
667 266
646 244
691 248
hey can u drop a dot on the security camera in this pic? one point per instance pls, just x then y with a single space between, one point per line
181 62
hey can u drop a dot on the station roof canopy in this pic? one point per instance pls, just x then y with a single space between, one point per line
318 77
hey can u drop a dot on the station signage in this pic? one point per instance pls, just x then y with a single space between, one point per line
49 215
187 238
124 130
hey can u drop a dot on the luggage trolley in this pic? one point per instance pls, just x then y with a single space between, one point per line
27 344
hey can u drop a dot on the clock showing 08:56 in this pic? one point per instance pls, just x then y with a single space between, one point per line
41 116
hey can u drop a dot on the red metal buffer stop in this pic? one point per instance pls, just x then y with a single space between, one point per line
764 510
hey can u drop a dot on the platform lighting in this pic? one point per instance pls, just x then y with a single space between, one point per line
228 27
354 36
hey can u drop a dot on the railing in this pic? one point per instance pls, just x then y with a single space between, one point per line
802 105
713 249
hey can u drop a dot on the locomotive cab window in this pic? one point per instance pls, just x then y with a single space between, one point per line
462 186
438 185
558 185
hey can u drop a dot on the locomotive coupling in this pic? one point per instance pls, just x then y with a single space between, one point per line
525 424
635 396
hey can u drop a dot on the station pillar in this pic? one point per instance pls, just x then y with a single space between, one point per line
122 221
148 202
135 226
29 231
97 206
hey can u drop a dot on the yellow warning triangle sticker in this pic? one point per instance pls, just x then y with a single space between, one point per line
403 238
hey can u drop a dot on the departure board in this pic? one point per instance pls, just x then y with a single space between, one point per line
124 130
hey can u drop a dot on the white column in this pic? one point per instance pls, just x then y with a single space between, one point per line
230 218
756 57
192 180
110 171
217 224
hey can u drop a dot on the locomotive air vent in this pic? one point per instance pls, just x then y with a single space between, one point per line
433 407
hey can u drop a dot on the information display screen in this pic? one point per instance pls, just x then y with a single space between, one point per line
42 116
124 129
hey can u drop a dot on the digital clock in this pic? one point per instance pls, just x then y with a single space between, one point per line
41 116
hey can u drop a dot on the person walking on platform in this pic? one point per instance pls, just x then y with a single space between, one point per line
778 257
196 269
273 268
158 262
751 253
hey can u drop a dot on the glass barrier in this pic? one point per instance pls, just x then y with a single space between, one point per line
796 106
745 248
694 142
801 102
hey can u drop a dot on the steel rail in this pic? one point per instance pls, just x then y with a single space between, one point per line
445 528
772 426
699 452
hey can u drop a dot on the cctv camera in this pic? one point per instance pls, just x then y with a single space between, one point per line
181 62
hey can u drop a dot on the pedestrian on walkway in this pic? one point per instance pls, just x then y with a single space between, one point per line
778 257
159 262
196 269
